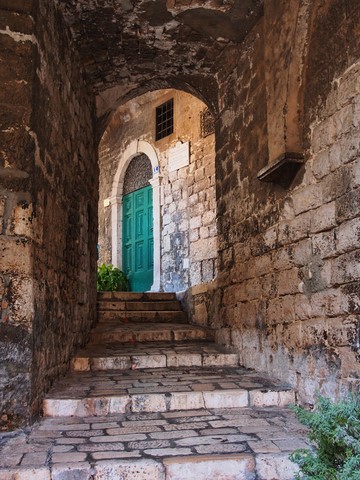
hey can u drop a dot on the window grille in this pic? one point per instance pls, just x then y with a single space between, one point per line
165 119
207 124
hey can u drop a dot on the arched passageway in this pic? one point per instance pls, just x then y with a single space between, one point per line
286 291
182 181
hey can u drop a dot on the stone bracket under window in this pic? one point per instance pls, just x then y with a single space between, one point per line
282 170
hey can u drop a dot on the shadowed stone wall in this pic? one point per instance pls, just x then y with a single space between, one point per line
16 210
65 196
287 295
48 204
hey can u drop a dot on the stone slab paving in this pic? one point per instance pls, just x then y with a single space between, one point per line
208 444
163 389
153 355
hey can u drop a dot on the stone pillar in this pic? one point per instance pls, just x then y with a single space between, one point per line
155 183
116 230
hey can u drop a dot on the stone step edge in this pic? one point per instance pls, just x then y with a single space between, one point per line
126 337
133 362
136 296
166 402
238 466
145 313
167 305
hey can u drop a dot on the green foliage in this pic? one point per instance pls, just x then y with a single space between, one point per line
335 431
111 279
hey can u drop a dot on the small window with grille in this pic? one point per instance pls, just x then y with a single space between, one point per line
165 119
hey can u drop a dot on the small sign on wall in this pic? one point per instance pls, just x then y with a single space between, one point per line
179 156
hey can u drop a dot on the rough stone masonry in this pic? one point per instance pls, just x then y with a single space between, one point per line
282 80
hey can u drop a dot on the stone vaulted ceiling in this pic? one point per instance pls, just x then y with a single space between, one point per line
132 46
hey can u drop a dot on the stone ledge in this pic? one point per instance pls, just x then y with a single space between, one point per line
282 170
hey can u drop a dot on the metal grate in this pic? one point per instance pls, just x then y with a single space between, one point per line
207 123
165 119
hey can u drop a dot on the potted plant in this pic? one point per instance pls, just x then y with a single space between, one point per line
111 279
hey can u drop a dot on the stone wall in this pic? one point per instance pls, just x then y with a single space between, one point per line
286 259
188 204
65 196
16 211
48 203
287 293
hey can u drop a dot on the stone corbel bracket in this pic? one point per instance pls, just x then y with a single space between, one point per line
282 170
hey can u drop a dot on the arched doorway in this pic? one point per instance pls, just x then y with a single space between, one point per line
137 224
137 176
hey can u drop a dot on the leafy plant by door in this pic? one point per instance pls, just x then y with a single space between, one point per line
335 431
111 279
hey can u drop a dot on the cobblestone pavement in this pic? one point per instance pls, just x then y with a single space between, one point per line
254 443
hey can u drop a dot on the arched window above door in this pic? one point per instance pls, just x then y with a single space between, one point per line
138 174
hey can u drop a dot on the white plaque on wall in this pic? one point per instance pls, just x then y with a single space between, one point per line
178 156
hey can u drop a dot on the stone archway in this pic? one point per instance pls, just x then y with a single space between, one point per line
134 149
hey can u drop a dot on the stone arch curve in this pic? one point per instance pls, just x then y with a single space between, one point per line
135 148
108 101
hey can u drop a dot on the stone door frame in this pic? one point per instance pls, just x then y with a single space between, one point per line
136 147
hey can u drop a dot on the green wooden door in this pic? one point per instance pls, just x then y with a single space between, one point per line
138 240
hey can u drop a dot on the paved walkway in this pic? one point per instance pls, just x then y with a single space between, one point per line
149 399
229 443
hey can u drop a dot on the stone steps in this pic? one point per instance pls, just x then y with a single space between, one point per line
153 355
122 307
172 305
131 332
101 393
153 398
151 316
135 296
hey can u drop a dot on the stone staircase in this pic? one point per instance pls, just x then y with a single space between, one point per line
153 397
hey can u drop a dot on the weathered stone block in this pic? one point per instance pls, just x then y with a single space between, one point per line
15 255
129 469
42 473
260 398
273 466
149 361
231 467
348 236
346 268
323 218
307 198
323 244
321 164
201 315
288 281
226 399
348 206
186 401
148 403
79 471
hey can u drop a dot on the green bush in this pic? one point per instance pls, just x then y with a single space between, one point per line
335 431
111 279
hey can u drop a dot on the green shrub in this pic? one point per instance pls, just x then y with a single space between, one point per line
111 279
335 431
